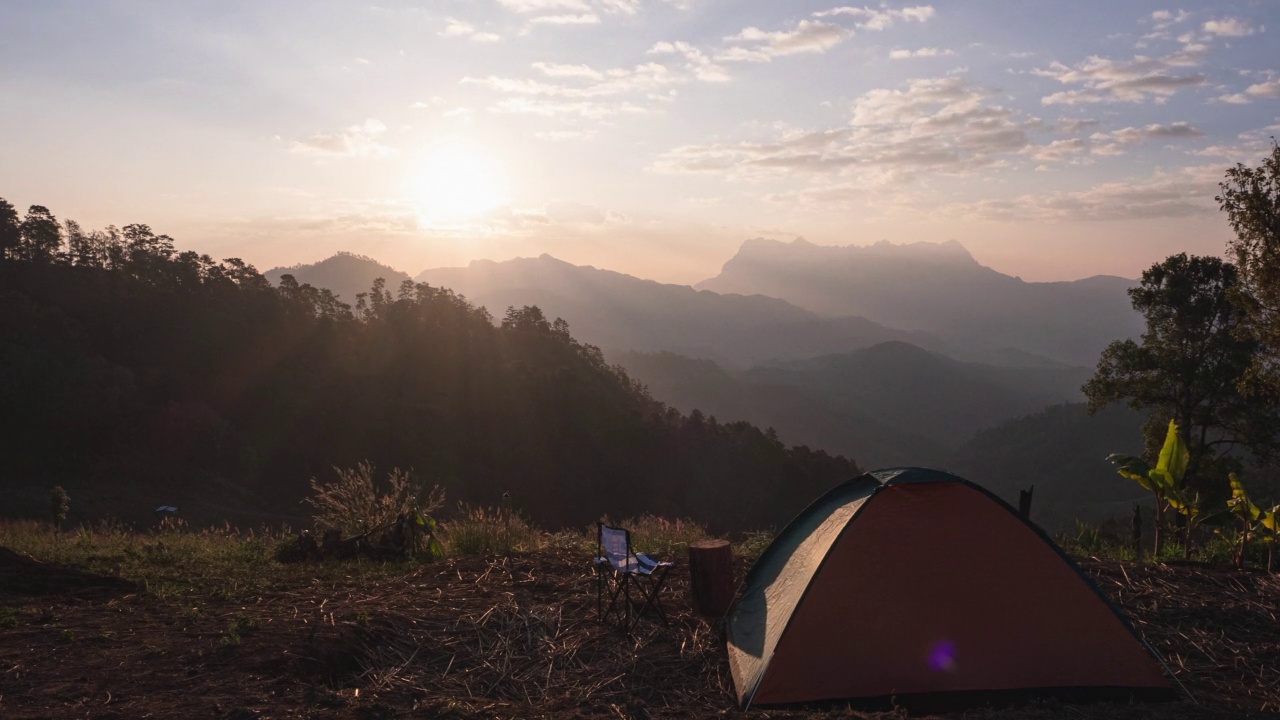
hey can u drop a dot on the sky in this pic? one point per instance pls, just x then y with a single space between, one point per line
1054 140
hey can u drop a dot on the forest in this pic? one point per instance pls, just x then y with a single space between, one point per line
140 376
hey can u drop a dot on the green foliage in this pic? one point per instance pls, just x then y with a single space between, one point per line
59 505
1088 540
231 563
1164 481
8 617
1251 198
1190 368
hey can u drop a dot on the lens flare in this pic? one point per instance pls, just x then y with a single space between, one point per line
942 657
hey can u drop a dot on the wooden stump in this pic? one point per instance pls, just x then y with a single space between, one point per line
711 577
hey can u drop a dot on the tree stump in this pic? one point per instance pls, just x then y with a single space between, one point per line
711 577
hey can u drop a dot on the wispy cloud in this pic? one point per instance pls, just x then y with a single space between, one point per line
1185 192
355 141
702 66
808 36
1142 78
460 29
939 126
922 52
1229 27
879 18
1155 131
578 19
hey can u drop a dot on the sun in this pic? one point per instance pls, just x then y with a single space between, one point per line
455 181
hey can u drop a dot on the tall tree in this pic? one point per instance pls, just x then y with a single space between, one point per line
41 235
10 230
1188 367
1251 198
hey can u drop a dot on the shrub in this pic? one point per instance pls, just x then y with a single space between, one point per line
355 504
59 505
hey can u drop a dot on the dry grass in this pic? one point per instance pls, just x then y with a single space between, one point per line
482 637
356 504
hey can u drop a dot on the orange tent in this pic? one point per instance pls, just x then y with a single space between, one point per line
913 583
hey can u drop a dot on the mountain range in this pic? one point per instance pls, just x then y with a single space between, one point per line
889 354
938 289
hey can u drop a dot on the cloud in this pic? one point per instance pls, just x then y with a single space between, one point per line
1182 193
1269 89
537 6
922 52
355 141
937 126
1229 27
1056 151
760 46
458 28
645 77
879 18
703 67
1136 80
580 19
1074 125
563 135
568 71
1155 131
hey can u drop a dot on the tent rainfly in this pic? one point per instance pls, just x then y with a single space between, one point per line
918 585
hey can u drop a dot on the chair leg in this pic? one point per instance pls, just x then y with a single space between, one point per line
652 599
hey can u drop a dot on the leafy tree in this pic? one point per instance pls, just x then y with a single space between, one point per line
41 235
1189 367
1251 198
10 230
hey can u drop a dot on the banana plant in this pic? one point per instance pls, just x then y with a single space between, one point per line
1252 522
1164 481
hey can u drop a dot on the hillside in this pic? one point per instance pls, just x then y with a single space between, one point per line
621 313
345 274
920 392
796 415
939 289
891 404
1061 450
177 380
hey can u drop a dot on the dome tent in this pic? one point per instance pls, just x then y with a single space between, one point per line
917 584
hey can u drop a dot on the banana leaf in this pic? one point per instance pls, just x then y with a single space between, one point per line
1134 468
1174 457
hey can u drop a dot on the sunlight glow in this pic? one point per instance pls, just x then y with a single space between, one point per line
455 181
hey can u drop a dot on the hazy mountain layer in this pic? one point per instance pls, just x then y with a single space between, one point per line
622 313
689 384
939 289
891 404
925 393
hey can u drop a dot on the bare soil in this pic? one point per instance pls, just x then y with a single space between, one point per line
489 638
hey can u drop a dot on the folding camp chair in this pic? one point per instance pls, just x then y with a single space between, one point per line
619 571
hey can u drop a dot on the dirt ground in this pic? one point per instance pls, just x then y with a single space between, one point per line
488 638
